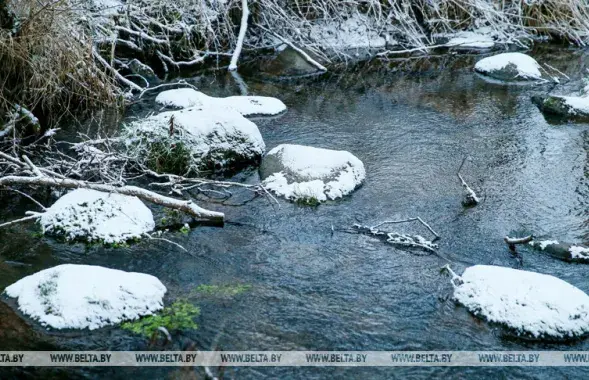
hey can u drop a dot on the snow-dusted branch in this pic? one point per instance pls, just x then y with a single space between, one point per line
471 198
187 207
245 12
306 56
407 221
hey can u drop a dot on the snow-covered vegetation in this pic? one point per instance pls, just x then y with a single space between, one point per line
532 304
52 53
85 296
306 173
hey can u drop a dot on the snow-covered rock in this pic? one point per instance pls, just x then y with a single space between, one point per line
574 107
245 105
85 296
471 40
90 215
563 251
217 138
532 304
299 172
510 67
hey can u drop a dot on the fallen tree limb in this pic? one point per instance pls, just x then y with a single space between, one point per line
187 207
406 221
513 241
471 199
306 56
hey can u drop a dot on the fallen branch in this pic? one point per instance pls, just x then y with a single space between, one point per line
471 199
306 56
118 76
512 242
25 219
407 221
187 207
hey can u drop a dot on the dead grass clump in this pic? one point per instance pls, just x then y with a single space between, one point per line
47 63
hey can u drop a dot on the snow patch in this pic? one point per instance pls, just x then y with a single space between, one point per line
579 252
356 32
525 66
85 296
531 303
471 40
577 104
245 105
542 244
97 216
303 172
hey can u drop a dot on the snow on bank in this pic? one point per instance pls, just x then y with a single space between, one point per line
509 66
531 303
356 32
470 40
97 216
216 137
304 172
245 105
85 296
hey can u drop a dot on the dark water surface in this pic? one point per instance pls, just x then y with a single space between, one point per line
314 289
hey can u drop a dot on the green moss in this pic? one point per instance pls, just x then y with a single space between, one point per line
185 229
222 290
168 157
178 316
312 202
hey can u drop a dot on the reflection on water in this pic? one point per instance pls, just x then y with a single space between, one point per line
314 289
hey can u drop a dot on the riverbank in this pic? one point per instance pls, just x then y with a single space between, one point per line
71 58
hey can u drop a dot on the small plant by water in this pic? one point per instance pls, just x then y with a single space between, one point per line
168 157
222 290
176 317
311 202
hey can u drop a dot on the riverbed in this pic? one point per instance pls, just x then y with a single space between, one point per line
312 285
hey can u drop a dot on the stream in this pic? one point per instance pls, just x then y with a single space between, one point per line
313 286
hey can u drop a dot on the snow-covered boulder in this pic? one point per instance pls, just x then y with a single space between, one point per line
573 107
90 215
245 105
212 138
86 296
563 251
510 67
532 304
300 172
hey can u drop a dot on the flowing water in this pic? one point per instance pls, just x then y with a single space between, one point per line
315 287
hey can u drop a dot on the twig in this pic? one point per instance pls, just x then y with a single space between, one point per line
471 198
27 196
26 218
407 221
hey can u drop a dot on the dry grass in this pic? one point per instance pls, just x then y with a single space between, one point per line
47 64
